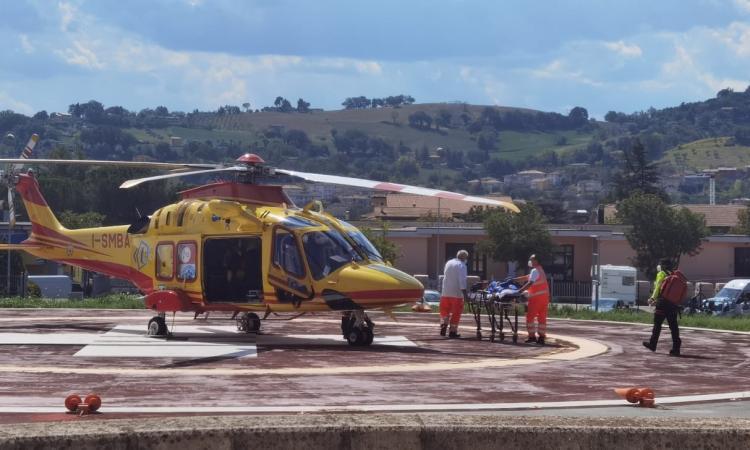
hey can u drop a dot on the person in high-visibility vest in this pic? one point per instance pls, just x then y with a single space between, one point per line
537 289
663 309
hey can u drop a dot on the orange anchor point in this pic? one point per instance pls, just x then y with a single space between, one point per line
645 397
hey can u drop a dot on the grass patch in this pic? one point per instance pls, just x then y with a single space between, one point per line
642 316
119 301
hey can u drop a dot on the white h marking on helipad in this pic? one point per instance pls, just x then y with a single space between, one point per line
130 341
190 342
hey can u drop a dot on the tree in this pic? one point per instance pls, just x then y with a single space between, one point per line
74 220
659 231
246 105
387 249
486 142
420 119
443 119
578 116
637 175
303 106
743 222
515 236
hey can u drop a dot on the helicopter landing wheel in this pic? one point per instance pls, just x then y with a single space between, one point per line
369 336
157 326
248 322
360 337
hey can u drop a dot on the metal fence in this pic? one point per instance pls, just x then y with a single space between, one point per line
570 291
16 287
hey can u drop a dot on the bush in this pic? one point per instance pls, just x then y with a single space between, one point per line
32 290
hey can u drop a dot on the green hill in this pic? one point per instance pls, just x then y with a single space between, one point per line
708 154
390 124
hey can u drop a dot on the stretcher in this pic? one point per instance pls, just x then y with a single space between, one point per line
500 302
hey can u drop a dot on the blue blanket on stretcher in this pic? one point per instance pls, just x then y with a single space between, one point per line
503 288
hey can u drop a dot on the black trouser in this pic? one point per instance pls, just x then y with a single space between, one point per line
666 310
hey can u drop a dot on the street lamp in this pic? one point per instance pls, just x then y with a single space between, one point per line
595 270
438 152
10 137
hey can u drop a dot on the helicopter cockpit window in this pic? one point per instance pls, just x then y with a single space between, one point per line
326 252
362 242
372 253
286 253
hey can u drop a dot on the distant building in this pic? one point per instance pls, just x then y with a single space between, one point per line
176 141
588 187
413 207
489 184
720 219
534 179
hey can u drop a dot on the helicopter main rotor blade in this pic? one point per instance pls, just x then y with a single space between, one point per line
395 187
92 162
135 182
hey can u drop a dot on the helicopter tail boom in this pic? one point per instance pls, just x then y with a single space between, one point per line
39 211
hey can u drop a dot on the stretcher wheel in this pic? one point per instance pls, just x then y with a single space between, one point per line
492 337
479 335
502 337
94 402
72 401
515 339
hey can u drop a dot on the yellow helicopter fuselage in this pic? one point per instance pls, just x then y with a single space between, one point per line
229 246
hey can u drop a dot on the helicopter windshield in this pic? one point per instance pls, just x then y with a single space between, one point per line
326 252
365 244
362 242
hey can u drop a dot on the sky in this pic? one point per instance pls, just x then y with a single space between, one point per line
624 55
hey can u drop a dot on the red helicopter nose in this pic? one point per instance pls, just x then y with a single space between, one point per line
250 158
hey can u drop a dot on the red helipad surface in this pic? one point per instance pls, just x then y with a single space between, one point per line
302 365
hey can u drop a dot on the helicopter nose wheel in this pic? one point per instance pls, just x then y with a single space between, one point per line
157 326
248 322
357 328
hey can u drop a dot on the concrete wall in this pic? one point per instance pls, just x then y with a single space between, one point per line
413 255
381 431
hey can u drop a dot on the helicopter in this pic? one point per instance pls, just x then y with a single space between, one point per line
236 246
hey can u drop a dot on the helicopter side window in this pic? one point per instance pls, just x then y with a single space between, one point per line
286 253
165 261
326 252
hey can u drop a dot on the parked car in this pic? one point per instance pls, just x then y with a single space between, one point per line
732 300
431 297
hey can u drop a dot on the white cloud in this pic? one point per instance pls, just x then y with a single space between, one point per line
18 106
368 67
551 70
467 74
81 55
736 37
67 15
558 69
743 5
26 45
686 69
620 47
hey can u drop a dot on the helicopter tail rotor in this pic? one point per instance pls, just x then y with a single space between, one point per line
10 175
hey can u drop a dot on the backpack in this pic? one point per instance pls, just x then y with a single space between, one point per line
674 287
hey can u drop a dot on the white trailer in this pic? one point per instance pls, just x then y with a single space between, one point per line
615 284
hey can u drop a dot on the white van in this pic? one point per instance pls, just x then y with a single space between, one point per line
732 299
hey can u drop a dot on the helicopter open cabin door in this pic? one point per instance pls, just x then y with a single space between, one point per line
287 272
232 269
